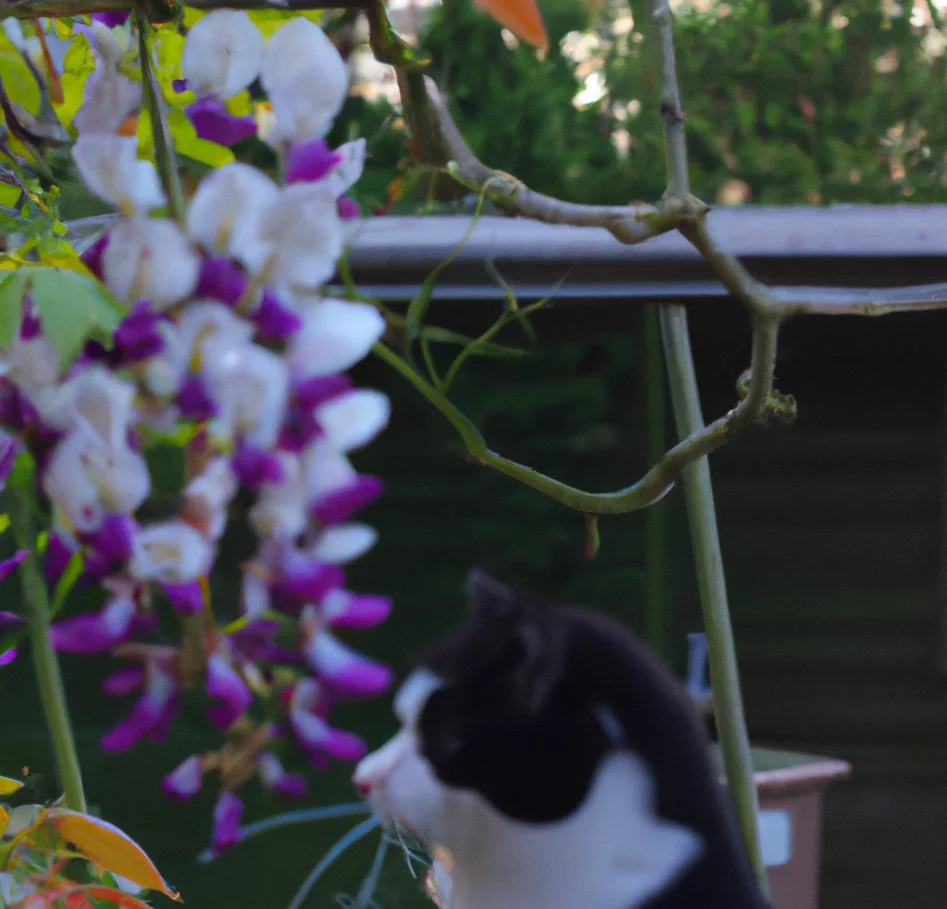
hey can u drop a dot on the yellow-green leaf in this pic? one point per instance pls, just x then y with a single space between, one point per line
4 819
269 21
72 308
186 142
8 785
18 78
77 66
110 848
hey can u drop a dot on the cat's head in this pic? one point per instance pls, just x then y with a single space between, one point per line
515 706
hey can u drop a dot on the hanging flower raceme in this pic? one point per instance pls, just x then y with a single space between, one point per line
231 348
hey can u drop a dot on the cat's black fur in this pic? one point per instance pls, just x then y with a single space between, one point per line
519 720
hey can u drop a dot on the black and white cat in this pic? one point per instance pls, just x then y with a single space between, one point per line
548 760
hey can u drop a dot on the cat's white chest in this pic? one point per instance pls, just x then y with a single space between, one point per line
613 853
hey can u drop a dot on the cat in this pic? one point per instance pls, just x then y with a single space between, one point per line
548 760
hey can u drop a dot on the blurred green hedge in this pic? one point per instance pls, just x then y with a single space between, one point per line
787 102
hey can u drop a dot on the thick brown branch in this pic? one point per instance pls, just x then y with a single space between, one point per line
628 223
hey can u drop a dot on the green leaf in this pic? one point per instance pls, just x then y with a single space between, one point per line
72 308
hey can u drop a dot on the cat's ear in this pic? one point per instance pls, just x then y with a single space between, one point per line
489 599
542 663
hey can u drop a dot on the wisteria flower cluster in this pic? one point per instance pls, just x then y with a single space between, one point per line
229 345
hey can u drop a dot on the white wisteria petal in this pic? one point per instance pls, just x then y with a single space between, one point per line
165 371
325 470
110 167
150 259
305 79
354 419
88 478
281 510
208 496
298 238
109 96
251 387
348 171
34 366
336 334
343 543
207 324
222 53
301 50
224 213
172 552
301 115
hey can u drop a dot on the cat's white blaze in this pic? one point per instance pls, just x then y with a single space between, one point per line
614 852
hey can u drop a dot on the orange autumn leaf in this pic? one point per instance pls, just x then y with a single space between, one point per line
81 896
107 846
522 17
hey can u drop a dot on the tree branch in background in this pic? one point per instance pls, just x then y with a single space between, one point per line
628 223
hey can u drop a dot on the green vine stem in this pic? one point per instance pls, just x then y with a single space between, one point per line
657 619
724 675
165 159
45 662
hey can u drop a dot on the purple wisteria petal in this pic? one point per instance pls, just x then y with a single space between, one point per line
7 565
9 620
92 257
212 122
222 280
8 656
150 716
8 449
184 781
124 681
348 209
113 540
273 319
310 393
94 633
137 337
195 402
113 18
187 599
227 816
30 325
309 161
225 684
277 780
317 737
300 426
340 505
58 554
179 85
305 579
255 466
348 673
343 609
